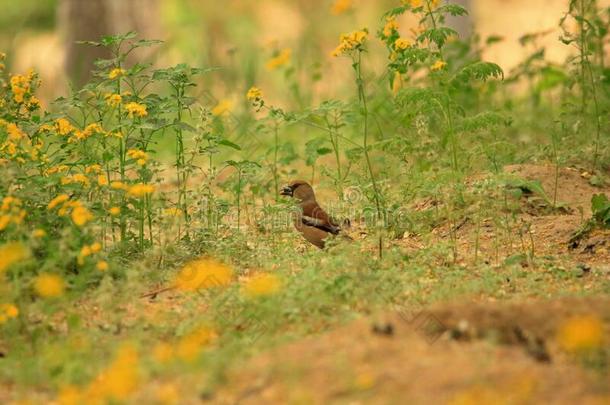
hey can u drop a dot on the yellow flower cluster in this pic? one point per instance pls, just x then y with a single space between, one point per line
581 334
8 311
402 43
80 215
87 251
11 212
350 42
136 110
63 127
138 155
113 384
75 178
419 3
22 86
203 273
116 72
113 100
341 6
261 285
17 144
438 65
187 348
282 58
140 190
254 94
11 253
390 26
49 285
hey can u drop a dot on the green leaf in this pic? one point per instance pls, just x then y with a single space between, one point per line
226 142
478 71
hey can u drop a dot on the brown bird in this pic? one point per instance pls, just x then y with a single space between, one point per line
312 221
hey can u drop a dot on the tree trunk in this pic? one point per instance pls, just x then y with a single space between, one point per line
89 20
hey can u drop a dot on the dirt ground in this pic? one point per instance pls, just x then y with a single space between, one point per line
482 353
463 352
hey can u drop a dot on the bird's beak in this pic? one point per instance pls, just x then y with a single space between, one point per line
286 190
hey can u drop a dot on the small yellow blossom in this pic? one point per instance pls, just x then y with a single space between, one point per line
96 247
49 285
69 395
39 233
135 109
261 285
115 211
222 108
14 132
11 253
341 6
203 273
141 190
102 265
190 346
119 379
581 334
113 100
58 200
102 180
402 43
350 42
282 58
81 215
254 94
63 126
95 168
390 26
116 72
8 311
117 185
438 65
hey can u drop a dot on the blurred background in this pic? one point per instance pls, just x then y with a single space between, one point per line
276 44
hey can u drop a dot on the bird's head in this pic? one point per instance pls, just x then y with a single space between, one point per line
298 189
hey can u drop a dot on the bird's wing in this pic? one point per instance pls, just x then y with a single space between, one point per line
314 215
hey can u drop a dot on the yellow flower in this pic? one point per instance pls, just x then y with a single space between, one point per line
39 233
282 58
102 265
390 26
11 253
141 190
139 155
117 185
116 72
119 380
438 65
261 285
96 247
402 43
203 273
223 107
102 180
63 126
14 133
81 215
254 94
69 395
115 211
58 200
341 6
173 212
95 168
135 109
350 42
190 345
49 285
8 311
113 100
581 334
